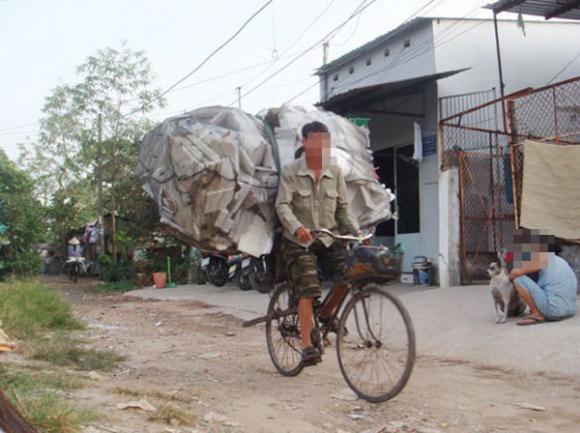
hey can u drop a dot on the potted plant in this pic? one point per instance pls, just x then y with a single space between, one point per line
159 274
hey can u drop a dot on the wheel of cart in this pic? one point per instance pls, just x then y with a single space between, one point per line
375 341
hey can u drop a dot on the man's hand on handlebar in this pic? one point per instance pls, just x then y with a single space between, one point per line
304 235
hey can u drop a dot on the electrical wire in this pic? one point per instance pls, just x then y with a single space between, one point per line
362 6
19 126
406 57
213 53
404 22
566 66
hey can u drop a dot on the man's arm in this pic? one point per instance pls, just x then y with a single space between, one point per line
284 204
527 267
346 224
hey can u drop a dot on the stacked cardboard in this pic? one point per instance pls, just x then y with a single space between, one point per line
213 173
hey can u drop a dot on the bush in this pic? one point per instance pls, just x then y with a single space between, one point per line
120 272
117 286
27 308
111 272
26 263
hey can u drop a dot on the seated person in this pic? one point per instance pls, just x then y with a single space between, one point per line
312 194
553 295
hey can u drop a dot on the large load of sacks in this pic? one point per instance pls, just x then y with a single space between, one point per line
213 173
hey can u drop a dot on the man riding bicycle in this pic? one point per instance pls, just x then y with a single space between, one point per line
312 194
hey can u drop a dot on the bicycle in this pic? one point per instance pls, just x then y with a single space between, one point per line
375 338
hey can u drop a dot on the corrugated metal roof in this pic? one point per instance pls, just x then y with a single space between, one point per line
372 44
360 96
569 9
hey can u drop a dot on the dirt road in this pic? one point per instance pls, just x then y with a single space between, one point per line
202 363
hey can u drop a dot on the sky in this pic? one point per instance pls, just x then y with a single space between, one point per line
42 42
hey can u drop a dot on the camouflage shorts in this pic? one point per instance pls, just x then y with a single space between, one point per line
302 265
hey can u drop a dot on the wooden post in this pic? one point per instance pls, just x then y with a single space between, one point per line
113 204
100 211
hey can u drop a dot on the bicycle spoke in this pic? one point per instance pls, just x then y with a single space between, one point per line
377 359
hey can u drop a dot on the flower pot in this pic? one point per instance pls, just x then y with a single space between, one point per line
160 279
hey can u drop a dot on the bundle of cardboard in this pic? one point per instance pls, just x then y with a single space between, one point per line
213 173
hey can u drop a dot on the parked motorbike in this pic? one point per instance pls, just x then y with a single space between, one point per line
221 268
262 273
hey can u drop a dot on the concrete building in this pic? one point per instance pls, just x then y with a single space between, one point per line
419 73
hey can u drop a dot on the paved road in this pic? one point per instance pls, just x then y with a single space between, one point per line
455 323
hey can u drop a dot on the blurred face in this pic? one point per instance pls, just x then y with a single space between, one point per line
528 245
317 147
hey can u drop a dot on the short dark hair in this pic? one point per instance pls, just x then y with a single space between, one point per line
313 127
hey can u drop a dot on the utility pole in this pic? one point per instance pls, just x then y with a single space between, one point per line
239 93
325 47
100 185
113 205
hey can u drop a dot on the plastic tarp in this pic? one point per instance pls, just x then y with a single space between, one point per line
213 173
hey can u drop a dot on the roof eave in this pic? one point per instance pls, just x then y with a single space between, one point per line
353 54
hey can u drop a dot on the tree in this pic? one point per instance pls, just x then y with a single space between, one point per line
22 218
87 126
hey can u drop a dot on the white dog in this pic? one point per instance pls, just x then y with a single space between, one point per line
505 298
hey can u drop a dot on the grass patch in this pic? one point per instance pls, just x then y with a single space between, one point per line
117 286
65 351
154 394
37 398
27 308
51 380
171 415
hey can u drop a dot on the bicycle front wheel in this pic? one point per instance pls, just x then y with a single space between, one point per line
376 344
283 332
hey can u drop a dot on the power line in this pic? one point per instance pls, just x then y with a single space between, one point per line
362 6
563 69
213 53
309 26
406 57
301 93
19 126
400 54
289 47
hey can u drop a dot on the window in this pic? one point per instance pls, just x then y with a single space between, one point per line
335 78
369 61
407 43
351 70
387 52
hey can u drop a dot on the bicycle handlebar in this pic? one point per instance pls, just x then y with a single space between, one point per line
343 237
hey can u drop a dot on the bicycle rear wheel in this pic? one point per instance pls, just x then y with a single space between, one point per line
283 332
377 355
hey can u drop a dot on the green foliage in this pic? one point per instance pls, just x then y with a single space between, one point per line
115 272
25 263
118 286
22 218
28 308
69 162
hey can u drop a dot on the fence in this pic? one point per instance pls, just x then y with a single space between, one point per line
490 162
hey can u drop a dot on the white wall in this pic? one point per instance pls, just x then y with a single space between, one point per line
390 131
401 64
528 61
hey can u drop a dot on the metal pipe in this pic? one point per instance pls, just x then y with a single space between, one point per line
501 83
